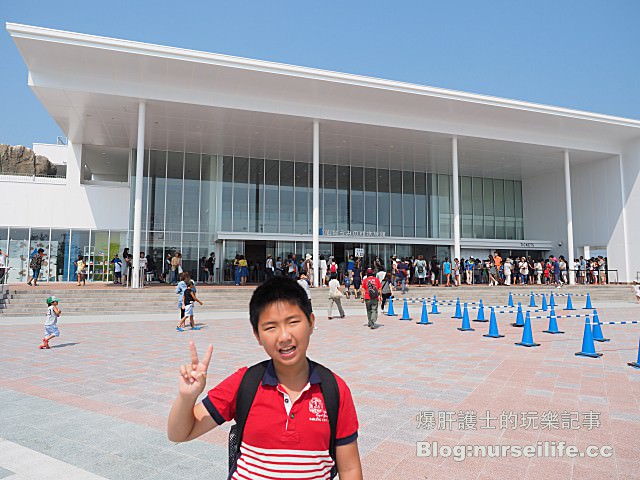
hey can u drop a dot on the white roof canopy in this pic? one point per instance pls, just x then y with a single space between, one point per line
212 103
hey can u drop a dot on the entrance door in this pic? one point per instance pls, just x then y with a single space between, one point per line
255 253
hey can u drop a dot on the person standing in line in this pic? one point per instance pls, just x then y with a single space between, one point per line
323 271
524 271
350 265
371 293
35 265
563 270
167 269
51 322
188 301
468 270
142 270
335 296
211 267
507 271
81 270
269 269
421 271
175 268
583 270
539 270
3 266
117 270
244 269
386 289
434 267
456 272
556 272
446 271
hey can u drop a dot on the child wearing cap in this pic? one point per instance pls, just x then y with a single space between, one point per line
51 323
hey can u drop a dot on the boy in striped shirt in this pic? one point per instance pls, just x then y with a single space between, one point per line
287 432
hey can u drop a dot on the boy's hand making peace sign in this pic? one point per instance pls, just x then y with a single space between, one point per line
193 376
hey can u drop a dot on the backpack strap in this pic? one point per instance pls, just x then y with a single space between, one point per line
244 398
331 394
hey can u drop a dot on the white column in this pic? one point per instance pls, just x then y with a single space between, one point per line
316 203
137 206
456 198
567 192
626 276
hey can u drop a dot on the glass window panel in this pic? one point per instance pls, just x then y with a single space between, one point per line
370 200
18 255
344 205
271 196
256 195
466 207
40 239
59 255
434 205
329 197
444 195
79 248
240 194
357 199
286 197
227 193
208 193
421 204
509 200
190 253
383 201
100 262
145 193
395 187
498 207
157 188
191 208
302 200
478 212
509 210
517 194
174 191
487 199
408 205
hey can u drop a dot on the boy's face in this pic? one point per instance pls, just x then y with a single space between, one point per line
284 332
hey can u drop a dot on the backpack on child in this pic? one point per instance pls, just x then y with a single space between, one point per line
247 392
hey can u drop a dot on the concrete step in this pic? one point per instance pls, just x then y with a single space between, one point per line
113 300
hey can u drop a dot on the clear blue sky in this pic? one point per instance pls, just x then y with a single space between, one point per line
576 54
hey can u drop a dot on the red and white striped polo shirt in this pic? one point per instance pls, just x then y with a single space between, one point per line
284 439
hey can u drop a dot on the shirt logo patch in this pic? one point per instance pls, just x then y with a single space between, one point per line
317 411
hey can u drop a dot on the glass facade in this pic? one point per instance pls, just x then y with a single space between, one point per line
188 198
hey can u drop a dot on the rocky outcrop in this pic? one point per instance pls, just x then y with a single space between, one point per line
20 160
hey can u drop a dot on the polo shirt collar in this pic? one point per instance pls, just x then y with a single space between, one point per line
270 379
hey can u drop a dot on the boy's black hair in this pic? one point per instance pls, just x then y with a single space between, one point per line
277 289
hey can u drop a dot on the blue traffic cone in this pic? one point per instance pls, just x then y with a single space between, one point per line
510 302
481 313
636 364
553 324
532 300
544 307
466 326
569 303
390 311
519 318
434 306
424 318
527 334
458 313
588 305
552 300
493 326
597 329
405 311
588 347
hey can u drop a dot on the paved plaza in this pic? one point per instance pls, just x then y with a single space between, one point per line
96 404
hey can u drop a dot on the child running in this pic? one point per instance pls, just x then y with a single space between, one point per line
296 418
188 300
51 323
